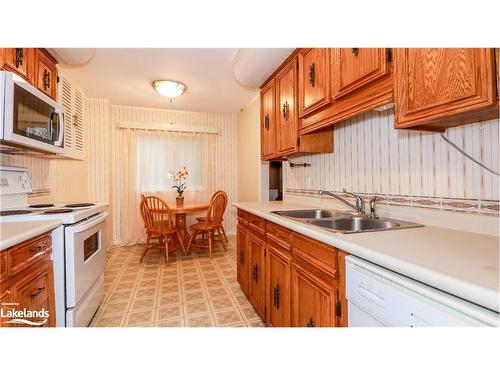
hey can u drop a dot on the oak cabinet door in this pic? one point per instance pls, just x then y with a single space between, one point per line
45 73
243 260
268 121
286 121
278 294
436 84
313 300
257 273
20 61
314 79
354 68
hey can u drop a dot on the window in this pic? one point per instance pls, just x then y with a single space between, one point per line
159 153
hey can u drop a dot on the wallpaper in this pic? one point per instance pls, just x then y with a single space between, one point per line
404 167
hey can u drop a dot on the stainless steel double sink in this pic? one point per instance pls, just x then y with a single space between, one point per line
345 222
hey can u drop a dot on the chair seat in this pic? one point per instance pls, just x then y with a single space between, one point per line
203 225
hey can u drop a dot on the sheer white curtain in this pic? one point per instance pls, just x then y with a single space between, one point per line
145 160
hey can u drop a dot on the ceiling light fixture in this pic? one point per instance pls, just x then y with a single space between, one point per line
169 88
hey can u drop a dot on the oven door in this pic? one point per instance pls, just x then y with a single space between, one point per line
30 118
85 247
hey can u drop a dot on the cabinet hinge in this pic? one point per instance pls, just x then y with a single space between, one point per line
388 54
338 309
298 141
58 79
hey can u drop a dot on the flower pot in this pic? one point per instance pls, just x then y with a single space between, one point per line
179 201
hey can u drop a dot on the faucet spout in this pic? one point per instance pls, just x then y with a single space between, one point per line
360 203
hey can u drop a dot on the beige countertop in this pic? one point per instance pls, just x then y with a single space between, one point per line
12 233
462 263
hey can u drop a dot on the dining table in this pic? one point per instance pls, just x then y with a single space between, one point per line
181 213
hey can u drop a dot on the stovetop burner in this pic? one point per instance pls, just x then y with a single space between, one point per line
76 205
57 211
44 205
14 212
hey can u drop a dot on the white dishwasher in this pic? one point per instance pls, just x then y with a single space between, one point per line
378 297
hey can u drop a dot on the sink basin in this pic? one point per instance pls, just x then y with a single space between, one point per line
357 224
309 214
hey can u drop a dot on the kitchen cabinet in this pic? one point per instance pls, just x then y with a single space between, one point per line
45 73
256 249
268 121
72 99
313 299
314 79
435 88
304 278
278 291
242 256
27 280
280 121
19 61
361 79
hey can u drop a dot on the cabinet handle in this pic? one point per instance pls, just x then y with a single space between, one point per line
7 292
37 249
242 258
46 79
286 110
267 121
312 74
355 51
276 301
19 57
255 273
310 323
37 292
254 222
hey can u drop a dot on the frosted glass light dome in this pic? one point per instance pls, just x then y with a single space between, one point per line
169 88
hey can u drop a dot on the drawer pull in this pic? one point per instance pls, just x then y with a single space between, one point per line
312 74
310 323
254 222
286 110
255 273
267 121
38 249
276 301
46 79
19 57
242 258
37 292
355 51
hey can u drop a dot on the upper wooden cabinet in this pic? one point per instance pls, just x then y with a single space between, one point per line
314 79
19 61
287 121
354 68
435 88
361 79
268 120
45 73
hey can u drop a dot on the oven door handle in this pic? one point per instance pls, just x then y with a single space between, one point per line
91 223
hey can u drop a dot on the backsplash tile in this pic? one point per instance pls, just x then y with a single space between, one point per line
405 168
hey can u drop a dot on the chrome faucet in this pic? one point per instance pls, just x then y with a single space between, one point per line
360 203
373 215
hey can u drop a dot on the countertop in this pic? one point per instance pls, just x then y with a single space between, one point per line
461 263
12 233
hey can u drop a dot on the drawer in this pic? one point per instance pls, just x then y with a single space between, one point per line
22 256
316 253
243 216
34 290
279 234
256 223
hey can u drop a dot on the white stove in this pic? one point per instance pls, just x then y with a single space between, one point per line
78 246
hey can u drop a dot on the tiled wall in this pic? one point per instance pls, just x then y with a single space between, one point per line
408 168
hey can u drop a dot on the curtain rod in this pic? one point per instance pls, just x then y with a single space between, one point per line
168 127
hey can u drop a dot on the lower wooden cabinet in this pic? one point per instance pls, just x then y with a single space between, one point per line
27 282
257 292
242 258
314 300
278 291
290 279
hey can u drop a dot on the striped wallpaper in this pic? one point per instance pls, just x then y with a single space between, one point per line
406 167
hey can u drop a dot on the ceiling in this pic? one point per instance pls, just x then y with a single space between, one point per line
124 76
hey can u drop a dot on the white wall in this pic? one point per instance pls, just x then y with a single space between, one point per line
248 152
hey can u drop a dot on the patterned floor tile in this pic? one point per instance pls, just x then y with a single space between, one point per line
227 317
140 317
200 321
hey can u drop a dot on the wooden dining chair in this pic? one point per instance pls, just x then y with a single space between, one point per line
211 224
158 221
203 218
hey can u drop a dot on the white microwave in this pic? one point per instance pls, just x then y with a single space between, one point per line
29 118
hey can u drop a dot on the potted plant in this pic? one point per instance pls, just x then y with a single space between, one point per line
179 185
